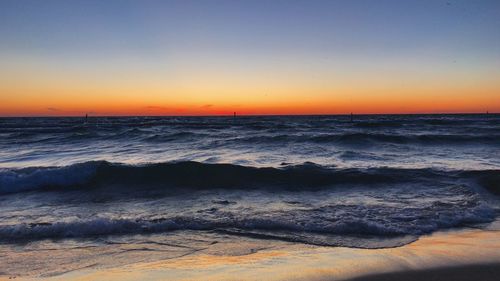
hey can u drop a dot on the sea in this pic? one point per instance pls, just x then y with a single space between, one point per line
373 181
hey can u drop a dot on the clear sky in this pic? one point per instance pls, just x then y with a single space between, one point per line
253 57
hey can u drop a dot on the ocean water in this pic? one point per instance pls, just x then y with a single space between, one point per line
378 181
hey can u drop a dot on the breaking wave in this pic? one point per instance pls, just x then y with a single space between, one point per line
312 231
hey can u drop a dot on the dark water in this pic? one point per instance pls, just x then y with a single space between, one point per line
379 181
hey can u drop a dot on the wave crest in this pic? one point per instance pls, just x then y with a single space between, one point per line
197 175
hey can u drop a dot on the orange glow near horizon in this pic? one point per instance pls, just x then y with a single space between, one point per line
341 106
34 87
359 101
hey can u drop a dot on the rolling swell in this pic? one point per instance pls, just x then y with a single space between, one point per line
350 139
206 176
423 139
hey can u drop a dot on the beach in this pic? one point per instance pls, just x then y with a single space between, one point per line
466 254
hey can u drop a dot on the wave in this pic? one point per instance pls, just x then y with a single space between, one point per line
316 230
197 175
379 124
372 138
176 136
269 226
361 138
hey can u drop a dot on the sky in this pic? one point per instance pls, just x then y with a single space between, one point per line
187 57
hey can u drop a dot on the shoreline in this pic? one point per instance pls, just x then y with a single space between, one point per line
463 253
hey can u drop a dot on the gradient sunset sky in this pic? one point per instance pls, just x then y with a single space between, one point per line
253 57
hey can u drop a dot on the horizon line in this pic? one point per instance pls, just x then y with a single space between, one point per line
248 115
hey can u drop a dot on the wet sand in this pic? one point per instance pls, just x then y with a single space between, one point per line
478 272
467 254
